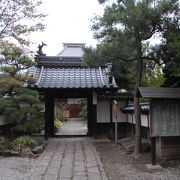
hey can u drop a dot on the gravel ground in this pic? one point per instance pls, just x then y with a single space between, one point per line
120 165
16 168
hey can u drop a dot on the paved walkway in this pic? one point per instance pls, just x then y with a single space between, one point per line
69 159
73 127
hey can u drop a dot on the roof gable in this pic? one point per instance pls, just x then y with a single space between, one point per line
72 50
67 71
158 93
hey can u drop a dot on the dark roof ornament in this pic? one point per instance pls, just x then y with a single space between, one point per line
40 52
109 72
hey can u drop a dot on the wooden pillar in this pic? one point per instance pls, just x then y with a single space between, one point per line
89 115
94 111
49 116
51 120
111 117
153 151
46 117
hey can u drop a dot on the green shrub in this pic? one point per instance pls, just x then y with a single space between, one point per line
20 129
39 140
58 114
29 127
23 142
83 113
2 143
57 125
35 125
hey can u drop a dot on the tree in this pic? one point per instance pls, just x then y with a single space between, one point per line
168 51
153 77
18 18
106 53
133 23
17 102
170 54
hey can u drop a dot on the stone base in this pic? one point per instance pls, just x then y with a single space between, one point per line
153 167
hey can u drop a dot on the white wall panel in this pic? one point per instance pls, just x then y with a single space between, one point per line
130 116
121 117
144 120
103 112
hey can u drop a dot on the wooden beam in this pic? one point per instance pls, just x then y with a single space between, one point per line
153 151
49 116
89 115
94 112
94 119
46 116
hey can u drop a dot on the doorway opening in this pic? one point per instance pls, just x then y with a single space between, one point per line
70 117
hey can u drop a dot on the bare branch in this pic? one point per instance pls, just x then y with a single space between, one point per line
12 14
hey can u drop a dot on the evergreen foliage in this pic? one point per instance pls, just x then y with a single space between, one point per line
170 54
17 102
58 113
59 118
108 52
83 113
130 24
153 77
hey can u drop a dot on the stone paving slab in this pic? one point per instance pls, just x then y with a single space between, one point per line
69 159
68 127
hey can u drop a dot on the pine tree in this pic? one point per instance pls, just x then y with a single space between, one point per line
17 102
109 52
169 52
132 23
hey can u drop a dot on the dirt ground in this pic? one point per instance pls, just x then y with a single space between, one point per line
120 165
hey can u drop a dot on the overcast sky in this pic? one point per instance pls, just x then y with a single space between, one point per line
67 21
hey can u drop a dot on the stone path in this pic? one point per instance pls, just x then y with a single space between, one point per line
69 159
73 127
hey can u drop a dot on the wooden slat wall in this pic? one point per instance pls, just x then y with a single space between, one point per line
165 118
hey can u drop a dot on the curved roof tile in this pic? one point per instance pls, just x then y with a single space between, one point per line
70 77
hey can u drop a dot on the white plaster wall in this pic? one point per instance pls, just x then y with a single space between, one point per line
133 119
121 117
103 112
144 119
130 116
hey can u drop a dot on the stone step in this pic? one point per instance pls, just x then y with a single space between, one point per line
128 144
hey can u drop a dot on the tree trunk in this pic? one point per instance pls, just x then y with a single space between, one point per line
139 70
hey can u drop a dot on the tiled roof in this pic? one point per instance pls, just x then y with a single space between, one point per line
71 77
159 93
130 108
56 61
114 96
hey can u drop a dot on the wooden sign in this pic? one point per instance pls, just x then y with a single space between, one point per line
66 114
115 108
165 118
116 127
